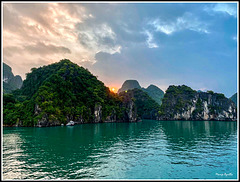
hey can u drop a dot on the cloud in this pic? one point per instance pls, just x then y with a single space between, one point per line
44 49
98 38
149 40
47 31
11 50
108 36
230 9
226 8
186 22
163 26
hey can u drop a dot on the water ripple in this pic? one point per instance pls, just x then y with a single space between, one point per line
145 150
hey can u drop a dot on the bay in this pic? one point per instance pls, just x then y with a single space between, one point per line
143 150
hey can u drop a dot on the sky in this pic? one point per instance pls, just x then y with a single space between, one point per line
164 44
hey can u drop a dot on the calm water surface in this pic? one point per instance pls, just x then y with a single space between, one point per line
144 150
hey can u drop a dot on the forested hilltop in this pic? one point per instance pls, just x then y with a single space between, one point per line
184 103
57 93
63 91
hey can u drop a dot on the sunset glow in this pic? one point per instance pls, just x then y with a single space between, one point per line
137 41
112 89
120 90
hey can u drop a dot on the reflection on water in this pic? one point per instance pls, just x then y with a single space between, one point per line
203 147
190 133
144 150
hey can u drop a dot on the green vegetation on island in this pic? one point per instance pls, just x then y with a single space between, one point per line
60 92
184 103
155 93
57 93
147 108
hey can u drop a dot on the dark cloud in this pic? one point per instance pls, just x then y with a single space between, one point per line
121 18
98 37
43 49
84 40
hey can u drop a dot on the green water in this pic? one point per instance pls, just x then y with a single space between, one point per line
144 150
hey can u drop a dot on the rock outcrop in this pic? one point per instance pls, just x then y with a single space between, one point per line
129 107
140 103
98 113
112 117
10 82
183 103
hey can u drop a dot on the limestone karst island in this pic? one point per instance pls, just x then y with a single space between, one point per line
58 93
120 91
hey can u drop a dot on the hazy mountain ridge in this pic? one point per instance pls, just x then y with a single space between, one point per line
129 85
10 82
234 98
153 91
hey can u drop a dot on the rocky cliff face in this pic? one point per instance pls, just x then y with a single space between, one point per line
98 113
7 73
141 103
130 108
183 103
10 82
129 114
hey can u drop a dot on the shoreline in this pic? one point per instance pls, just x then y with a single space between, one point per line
37 126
